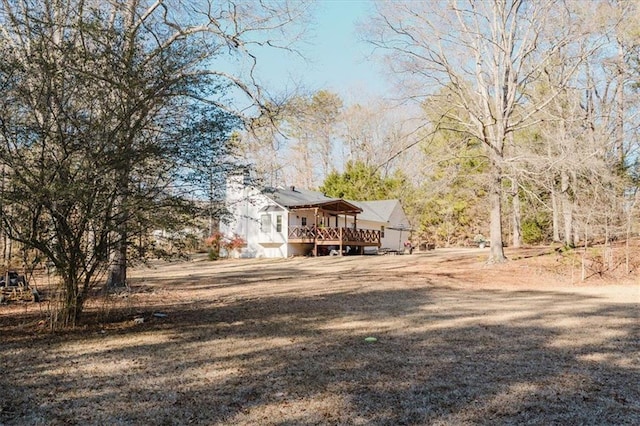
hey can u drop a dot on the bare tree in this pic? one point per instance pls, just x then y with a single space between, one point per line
318 135
588 127
311 128
381 135
227 29
486 54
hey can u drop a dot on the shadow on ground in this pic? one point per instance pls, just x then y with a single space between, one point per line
297 355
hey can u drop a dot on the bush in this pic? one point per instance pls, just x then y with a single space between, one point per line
532 232
213 254
218 243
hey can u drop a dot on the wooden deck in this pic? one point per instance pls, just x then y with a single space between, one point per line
335 236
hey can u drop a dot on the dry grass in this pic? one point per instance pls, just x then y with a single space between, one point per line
281 342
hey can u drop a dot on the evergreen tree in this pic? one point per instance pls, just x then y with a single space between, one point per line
360 182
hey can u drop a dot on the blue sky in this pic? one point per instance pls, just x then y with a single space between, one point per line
337 58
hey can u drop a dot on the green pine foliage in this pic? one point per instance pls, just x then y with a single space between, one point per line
361 182
533 231
455 207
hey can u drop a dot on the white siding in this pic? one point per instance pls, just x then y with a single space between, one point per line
393 239
273 239
245 204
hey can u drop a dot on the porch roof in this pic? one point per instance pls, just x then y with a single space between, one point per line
335 205
300 199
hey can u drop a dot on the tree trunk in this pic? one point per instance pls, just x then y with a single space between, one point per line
496 254
629 223
117 275
71 301
620 99
517 217
555 213
568 222
567 210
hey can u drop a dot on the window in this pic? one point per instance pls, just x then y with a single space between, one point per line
279 223
382 231
304 221
265 223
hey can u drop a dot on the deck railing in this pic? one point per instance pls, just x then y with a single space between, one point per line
364 235
311 234
302 233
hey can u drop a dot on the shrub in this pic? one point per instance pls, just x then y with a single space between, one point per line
532 232
217 241
213 254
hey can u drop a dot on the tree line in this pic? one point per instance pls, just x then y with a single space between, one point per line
513 119
525 127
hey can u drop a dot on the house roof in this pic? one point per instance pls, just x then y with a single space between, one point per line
378 211
271 208
297 199
293 199
389 211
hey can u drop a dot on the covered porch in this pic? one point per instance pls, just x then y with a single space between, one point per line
330 227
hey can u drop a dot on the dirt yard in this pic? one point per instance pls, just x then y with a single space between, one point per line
282 342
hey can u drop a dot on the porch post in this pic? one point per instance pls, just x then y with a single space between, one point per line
345 226
341 241
315 233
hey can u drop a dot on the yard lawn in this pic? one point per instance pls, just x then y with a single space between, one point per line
282 342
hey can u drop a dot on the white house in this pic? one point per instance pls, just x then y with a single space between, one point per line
389 217
298 222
